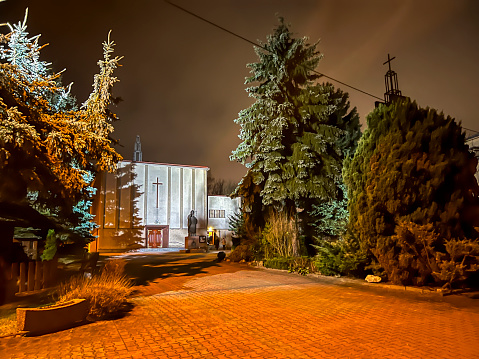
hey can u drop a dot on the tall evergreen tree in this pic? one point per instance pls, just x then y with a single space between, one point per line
290 136
329 218
48 147
413 196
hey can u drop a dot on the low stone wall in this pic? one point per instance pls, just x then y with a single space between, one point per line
53 318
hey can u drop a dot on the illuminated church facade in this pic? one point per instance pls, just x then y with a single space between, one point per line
146 204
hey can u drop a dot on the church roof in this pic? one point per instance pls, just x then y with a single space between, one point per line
166 164
472 137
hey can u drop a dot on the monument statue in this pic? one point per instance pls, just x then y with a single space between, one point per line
192 223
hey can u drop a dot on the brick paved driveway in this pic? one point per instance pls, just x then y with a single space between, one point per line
188 306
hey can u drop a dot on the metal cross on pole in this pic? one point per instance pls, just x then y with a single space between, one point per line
389 61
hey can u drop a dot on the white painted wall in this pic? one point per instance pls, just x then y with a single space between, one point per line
130 199
221 225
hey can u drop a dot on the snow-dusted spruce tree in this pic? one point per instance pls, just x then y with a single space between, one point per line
290 137
48 147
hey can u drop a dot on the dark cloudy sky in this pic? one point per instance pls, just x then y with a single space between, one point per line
182 80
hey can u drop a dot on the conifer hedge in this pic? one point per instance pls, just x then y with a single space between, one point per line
413 203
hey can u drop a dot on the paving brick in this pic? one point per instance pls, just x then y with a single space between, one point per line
234 311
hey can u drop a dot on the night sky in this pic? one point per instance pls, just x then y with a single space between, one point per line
182 80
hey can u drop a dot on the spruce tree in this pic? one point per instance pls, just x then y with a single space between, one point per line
413 196
290 139
48 147
329 218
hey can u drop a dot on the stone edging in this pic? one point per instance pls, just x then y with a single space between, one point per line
424 290
49 319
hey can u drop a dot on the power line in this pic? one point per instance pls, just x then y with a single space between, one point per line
265 49
262 47
351 87
213 24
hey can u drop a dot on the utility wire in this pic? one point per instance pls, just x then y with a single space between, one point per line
262 47
265 49
213 24
351 87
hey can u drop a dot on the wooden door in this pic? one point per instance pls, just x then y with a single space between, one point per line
155 237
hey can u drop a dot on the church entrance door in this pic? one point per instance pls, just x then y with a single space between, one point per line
157 236
154 238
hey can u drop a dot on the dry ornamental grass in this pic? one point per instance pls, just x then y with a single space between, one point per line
106 292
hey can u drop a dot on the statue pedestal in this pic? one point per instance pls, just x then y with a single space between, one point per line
192 242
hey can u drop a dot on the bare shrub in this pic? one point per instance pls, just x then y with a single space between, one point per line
280 236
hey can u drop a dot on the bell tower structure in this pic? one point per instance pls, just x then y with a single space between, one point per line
391 81
137 155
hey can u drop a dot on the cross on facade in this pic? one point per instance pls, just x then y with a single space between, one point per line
157 184
389 61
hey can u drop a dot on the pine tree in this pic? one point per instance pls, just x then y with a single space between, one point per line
413 196
48 147
290 142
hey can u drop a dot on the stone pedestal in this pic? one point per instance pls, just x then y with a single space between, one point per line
192 242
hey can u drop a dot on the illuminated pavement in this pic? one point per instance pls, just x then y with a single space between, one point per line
202 309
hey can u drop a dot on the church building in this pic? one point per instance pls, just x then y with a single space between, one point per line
147 204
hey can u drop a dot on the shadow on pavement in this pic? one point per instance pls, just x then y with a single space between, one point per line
157 273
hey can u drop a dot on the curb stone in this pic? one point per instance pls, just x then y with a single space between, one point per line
425 290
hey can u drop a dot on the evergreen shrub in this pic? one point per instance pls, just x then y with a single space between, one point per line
277 263
414 204
50 246
302 265
340 256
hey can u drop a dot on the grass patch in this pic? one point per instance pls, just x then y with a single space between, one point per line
8 323
8 314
